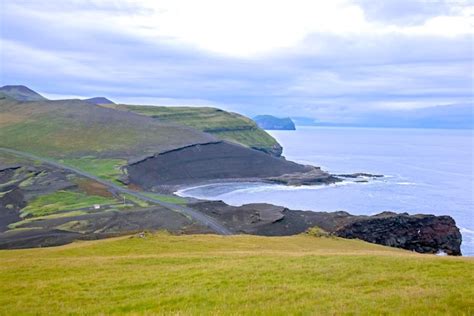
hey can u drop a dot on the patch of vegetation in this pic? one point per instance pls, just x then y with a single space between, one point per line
256 139
166 198
317 232
107 169
206 274
224 125
2 194
61 201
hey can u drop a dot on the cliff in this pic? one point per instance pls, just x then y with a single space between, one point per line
221 124
218 161
420 233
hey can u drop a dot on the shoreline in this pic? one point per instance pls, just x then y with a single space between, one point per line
349 179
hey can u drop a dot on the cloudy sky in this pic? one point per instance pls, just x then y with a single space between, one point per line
331 60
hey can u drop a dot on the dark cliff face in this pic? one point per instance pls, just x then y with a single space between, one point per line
275 150
421 233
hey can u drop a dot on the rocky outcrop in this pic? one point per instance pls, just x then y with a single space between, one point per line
276 150
314 176
421 233
360 175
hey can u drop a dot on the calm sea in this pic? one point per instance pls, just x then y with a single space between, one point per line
426 171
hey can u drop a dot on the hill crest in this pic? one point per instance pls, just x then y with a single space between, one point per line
21 93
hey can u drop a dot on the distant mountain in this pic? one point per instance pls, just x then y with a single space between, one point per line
99 100
455 116
270 122
21 93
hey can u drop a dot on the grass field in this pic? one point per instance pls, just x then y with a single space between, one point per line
205 274
224 125
60 201
107 169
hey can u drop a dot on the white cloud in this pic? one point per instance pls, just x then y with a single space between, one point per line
249 28
314 57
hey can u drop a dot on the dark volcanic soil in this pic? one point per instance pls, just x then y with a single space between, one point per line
60 231
218 161
21 183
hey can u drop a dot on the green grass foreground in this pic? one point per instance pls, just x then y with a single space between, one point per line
206 274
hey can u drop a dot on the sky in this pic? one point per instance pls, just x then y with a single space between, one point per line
332 60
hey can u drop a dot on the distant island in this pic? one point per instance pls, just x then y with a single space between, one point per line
270 122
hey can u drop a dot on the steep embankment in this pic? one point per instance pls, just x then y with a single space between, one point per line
243 275
223 125
214 162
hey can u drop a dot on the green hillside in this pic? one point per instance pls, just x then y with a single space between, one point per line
76 129
207 274
224 125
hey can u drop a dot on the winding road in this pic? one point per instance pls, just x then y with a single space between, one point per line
185 210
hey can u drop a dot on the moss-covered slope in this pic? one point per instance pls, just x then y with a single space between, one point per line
224 125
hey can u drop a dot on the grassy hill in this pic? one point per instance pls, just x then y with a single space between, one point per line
77 129
207 274
224 125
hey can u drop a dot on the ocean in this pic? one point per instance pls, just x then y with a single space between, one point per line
426 171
